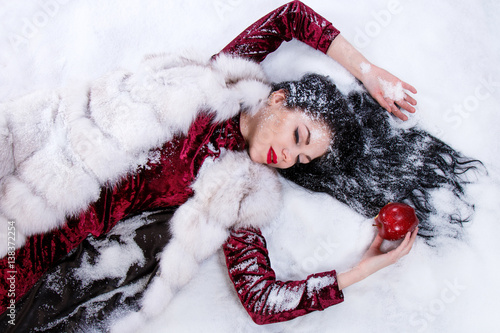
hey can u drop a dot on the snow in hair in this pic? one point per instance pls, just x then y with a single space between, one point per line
372 163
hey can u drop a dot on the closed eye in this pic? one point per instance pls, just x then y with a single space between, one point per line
296 134
308 160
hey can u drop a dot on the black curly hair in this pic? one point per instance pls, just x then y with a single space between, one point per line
371 162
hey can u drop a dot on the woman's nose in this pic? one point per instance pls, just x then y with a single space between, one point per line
286 155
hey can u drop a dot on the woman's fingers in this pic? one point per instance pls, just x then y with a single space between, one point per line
409 87
405 105
395 110
410 100
377 242
407 243
412 239
386 104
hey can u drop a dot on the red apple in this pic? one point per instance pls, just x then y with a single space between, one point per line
395 219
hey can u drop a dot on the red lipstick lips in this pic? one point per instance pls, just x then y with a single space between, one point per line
271 156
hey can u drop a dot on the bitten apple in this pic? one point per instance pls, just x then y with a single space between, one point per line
395 219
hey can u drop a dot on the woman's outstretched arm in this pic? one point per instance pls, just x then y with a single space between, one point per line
268 300
295 20
387 89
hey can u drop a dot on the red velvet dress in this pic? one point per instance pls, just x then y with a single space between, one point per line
165 183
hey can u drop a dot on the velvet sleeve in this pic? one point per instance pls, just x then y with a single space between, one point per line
266 299
291 21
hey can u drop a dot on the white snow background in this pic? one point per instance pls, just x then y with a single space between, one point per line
447 49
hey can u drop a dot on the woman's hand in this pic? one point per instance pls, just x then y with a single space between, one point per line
374 259
388 90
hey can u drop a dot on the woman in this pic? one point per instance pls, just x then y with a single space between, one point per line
114 204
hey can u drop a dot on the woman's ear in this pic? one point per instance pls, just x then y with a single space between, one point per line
277 97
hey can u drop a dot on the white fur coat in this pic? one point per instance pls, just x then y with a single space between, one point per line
231 191
57 149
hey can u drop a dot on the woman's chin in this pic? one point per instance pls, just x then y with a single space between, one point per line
255 157
251 154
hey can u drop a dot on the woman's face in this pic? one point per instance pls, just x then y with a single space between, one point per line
281 137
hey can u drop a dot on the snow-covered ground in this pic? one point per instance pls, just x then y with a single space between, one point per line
447 49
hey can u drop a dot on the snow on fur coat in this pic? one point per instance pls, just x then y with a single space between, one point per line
57 149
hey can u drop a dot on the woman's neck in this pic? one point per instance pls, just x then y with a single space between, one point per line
245 121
